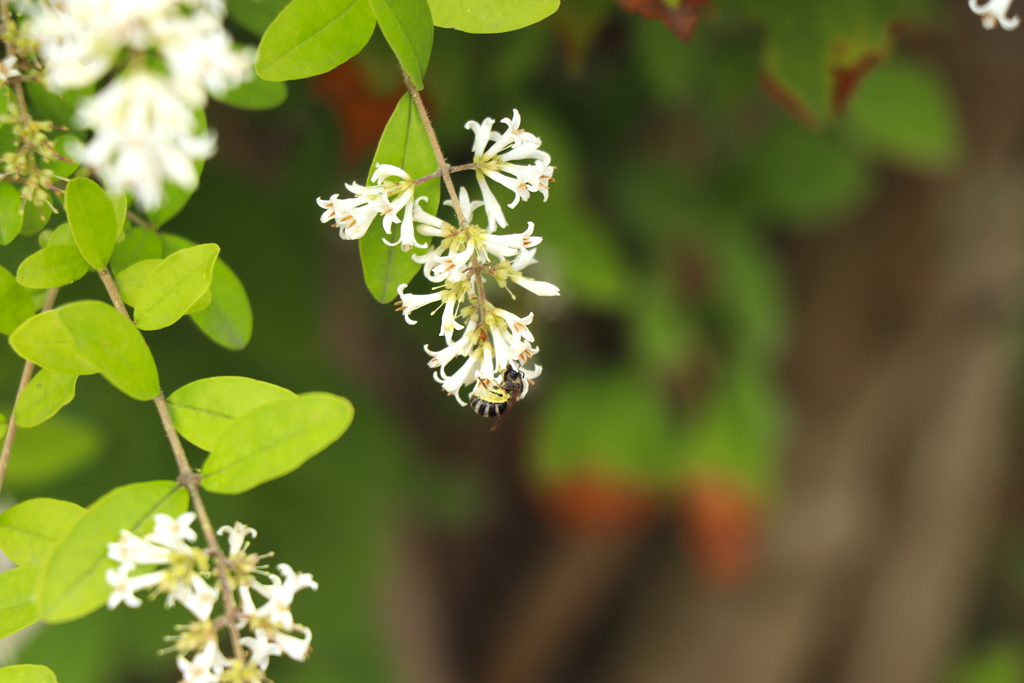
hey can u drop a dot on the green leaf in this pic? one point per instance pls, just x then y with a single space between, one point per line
57 108
139 244
44 396
55 451
27 673
256 95
311 37
405 144
131 279
93 221
120 202
11 216
36 218
273 440
490 16
228 319
30 531
46 340
73 580
202 303
407 26
175 285
255 15
52 266
15 303
905 113
19 600
86 337
203 409
61 235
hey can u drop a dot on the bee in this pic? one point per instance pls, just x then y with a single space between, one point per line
495 401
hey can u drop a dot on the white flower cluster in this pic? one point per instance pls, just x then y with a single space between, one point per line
995 13
171 565
493 339
145 127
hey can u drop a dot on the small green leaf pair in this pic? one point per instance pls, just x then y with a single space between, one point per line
311 37
87 337
255 431
162 291
61 550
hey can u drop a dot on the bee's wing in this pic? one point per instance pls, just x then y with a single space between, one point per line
511 402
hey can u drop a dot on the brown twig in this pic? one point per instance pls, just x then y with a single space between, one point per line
26 375
190 480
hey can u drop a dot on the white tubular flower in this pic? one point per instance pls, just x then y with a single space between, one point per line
205 667
452 267
413 302
124 586
296 648
995 12
509 246
280 594
517 326
198 598
9 68
462 347
538 287
173 532
496 163
354 215
144 136
261 649
237 542
133 551
464 376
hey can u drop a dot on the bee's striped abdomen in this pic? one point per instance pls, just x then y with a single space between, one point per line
486 408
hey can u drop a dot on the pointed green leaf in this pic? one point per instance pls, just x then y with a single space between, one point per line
73 580
11 216
311 37
175 285
19 599
86 337
130 280
139 244
44 396
228 319
405 144
30 531
256 95
490 16
407 26
203 409
46 340
52 266
92 219
273 440
27 673
202 303
15 303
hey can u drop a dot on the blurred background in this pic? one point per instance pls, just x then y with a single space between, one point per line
777 435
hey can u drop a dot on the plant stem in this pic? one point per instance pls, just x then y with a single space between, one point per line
26 375
446 172
190 480
451 169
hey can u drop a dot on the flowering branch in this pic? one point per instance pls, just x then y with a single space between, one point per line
190 480
26 375
451 169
